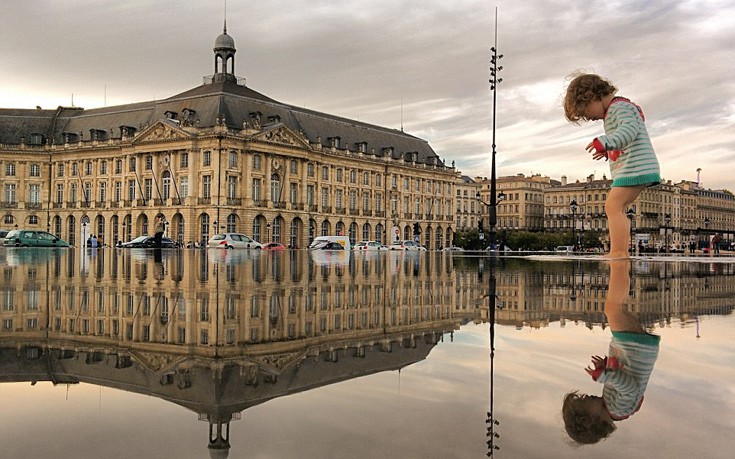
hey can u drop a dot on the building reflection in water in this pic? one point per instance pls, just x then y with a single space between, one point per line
221 331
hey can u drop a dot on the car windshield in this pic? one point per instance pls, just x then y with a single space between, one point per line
218 237
139 239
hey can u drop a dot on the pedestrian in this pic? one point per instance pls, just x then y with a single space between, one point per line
158 232
626 145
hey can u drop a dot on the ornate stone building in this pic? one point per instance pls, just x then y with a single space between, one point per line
219 157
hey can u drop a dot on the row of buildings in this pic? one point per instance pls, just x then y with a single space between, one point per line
223 157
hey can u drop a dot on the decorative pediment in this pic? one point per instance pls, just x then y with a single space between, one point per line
282 135
161 131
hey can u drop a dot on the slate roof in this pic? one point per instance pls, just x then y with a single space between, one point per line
209 100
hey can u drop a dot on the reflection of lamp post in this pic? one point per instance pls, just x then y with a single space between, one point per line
630 213
573 208
667 225
268 232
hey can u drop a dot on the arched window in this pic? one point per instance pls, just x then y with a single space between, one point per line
353 232
277 229
232 223
325 228
275 188
57 226
204 221
366 232
293 238
340 229
379 233
71 229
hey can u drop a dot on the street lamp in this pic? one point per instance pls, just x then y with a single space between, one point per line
494 80
706 230
667 225
630 213
573 207
492 205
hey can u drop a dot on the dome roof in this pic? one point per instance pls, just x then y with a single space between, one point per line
224 41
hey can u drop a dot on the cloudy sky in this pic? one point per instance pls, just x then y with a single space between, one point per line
420 64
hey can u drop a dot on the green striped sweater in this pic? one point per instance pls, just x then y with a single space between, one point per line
628 146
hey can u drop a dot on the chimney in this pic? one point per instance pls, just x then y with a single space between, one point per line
563 180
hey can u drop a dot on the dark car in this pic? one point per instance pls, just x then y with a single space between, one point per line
149 242
32 238
332 246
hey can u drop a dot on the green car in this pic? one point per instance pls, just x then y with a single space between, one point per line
32 238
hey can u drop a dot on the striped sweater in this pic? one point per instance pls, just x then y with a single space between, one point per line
624 386
628 146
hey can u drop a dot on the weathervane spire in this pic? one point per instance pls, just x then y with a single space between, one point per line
225 28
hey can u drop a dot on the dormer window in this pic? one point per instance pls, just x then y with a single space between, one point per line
362 147
97 134
127 131
334 141
170 115
37 139
274 119
388 151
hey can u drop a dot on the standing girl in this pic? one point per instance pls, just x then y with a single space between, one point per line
626 145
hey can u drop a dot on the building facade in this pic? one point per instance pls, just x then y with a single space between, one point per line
220 157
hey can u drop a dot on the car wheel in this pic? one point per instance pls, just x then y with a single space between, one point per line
229 247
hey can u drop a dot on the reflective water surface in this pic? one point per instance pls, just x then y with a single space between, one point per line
190 353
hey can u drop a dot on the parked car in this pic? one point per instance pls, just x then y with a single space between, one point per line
233 241
274 246
407 245
564 249
369 246
149 242
453 248
322 240
3 233
33 238
331 246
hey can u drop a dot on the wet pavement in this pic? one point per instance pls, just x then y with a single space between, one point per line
225 353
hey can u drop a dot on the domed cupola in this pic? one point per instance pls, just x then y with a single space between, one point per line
224 57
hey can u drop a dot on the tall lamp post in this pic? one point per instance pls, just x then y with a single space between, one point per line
667 226
573 208
706 230
494 80
630 213
492 205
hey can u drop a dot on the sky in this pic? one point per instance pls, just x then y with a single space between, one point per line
423 66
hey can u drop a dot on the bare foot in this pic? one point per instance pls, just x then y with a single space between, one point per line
616 256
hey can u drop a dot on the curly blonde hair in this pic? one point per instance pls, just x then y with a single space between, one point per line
582 428
583 89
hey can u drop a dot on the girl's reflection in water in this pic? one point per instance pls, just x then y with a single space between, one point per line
624 372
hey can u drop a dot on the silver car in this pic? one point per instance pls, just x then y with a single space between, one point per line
233 241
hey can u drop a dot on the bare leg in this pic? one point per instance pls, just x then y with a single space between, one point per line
617 201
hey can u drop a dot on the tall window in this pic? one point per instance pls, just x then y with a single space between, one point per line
256 189
207 158
325 173
74 169
257 162
310 170
166 185
353 199
35 170
87 192
233 159
118 191
366 201
325 197
378 201
118 166
10 197
131 190
184 160
103 191
275 188
231 187
59 193
338 199
294 168
206 186
293 193
34 194
103 167
73 193
10 169
339 175
60 170
131 164
353 176
366 178
149 162
309 195
148 189
378 180
184 187
231 223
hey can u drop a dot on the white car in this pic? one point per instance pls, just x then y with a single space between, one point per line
407 245
368 245
233 241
